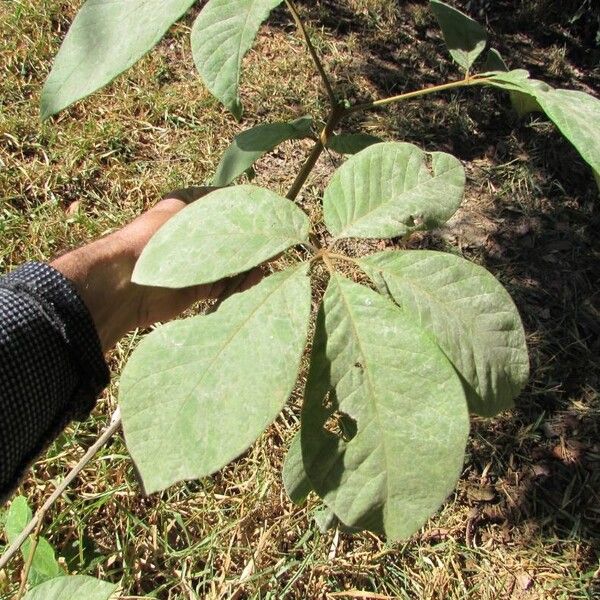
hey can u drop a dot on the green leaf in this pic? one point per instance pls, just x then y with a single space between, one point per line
373 365
250 145
392 189
222 34
494 61
17 517
225 233
351 143
575 113
517 80
465 38
596 177
325 519
524 103
105 39
577 116
468 312
295 480
521 90
44 565
75 587
197 393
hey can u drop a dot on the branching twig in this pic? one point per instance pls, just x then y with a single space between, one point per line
115 423
313 52
336 114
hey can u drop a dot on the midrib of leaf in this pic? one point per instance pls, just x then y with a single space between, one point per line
468 323
228 341
242 34
371 386
239 55
91 25
384 205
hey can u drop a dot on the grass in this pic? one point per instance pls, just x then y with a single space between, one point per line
524 521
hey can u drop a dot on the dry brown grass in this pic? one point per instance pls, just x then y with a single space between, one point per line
524 521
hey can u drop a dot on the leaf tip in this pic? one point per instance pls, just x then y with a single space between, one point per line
47 106
237 109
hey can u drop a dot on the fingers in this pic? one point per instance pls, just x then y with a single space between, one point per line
234 285
190 194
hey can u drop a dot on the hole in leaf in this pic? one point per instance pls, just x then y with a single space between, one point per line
428 161
414 221
341 425
330 401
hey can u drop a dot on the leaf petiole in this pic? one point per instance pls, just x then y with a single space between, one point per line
313 53
467 81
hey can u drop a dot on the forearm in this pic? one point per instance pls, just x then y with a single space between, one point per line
51 364
101 273
57 321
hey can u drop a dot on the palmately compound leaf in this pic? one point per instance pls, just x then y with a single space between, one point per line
351 143
225 233
468 312
465 38
197 393
392 189
295 480
250 145
44 565
75 587
222 34
371 365
105 39
575 113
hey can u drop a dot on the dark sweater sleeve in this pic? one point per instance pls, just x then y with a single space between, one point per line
51 364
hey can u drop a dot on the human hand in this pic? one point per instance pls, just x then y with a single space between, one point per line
101 272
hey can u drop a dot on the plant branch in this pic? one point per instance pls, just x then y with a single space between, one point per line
313 52
336 114
115 423
425 91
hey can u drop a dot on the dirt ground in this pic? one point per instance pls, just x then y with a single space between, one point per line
524 522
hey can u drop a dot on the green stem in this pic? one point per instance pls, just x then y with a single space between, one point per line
336 114
408 95
342 257
313 52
